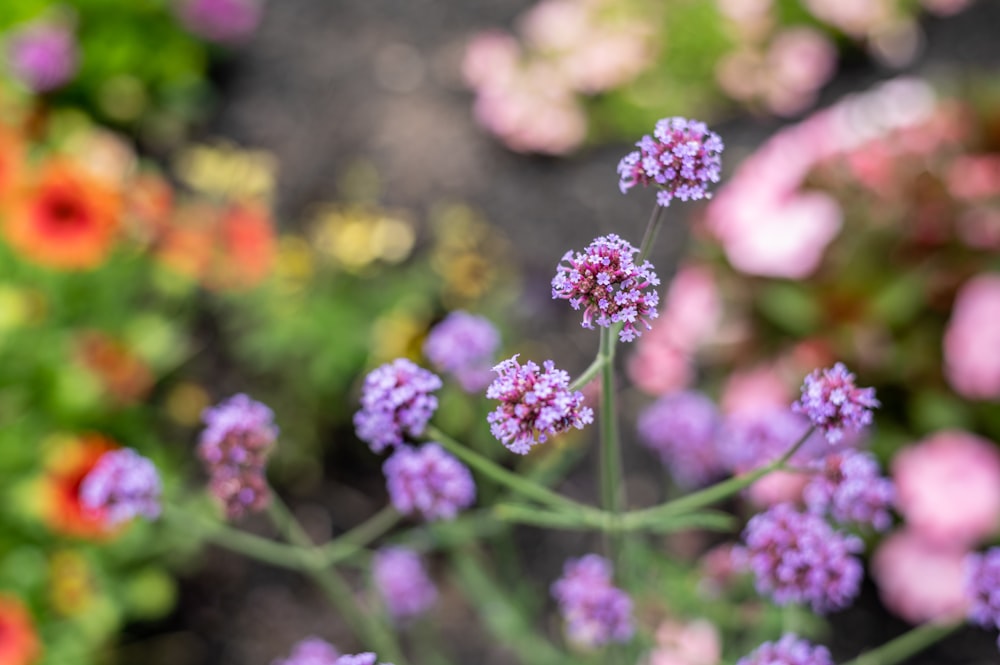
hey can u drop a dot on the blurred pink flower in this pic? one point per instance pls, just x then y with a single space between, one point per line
854 17
919 581
491 58
692 310
755 389
658 367
972 339
948 488
798 62
693 643
974 176
223 21
778 487
979 228
945 7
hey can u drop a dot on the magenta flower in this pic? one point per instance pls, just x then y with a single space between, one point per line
311 651
834 404
798 558
533 404
238 437
122 485
683 428
789 650
396 400
682 159
982 585
428 481
463 345
604 281
43 55
850 488
402 582
596 612
223 21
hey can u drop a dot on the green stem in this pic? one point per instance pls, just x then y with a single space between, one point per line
652 228
612 484
589 373
512 481
906 645
357 538
613 524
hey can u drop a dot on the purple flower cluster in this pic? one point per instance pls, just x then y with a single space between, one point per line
798 558
428 481
396 399
311 651
609 286
789 650
682 428
238 437
851 489
533 404
596 612
121 486
43 55
402 582
463 345
982 587
682 158
834 404
223 21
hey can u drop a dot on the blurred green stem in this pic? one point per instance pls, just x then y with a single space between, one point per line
906 645
612 484
652 229
351 542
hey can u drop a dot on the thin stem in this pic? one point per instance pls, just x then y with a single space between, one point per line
906 645
589 373
352 541
710 520
652 228
612 485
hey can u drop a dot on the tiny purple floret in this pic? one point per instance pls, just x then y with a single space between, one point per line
604 281
396 400
789 650
122 485
596 612
428 481
834 404
850 488
682 158
982 587
464 345
402 582
533 404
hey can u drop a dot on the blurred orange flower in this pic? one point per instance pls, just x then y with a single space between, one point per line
124 377
18 641
65 217
11 157
68 465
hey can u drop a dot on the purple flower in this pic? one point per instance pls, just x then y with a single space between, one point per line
798 558
402 582
596 612
683 427
834 404
753 439
43 55
789 650
533 405
238 437
851 489
606 283
122 485
311 651
681 158
367 658
222 21
395 400
428 481
982 587
463 345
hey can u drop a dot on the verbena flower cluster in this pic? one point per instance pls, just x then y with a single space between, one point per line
238 437
310 651
429 482
464 345
121 486
43 55
533 404
798 558
396 400
982 587
596 612
834 404
789 650
606 283
683 428
682 158
851 489
402 582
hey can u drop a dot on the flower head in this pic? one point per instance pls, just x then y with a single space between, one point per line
428 481
463 345
122 485
63 508
43 55
789 650
850 488
238 437
681 158
596 612
395 400
982 586
798 558
533 404
834 404
609 286
682 428
221 21
402 582
19 644
311 651
971 365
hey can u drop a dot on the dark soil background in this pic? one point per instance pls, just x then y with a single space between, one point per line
327 83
